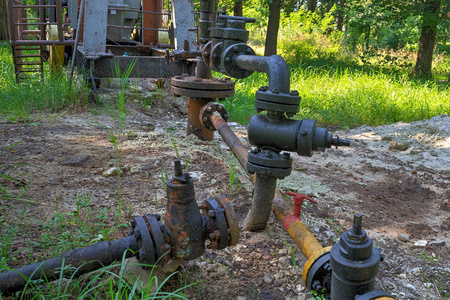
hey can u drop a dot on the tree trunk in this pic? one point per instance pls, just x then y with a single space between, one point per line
427 38
238 7
4 29
340 16
272 28
312 4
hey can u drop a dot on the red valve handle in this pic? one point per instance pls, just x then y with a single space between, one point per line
298 202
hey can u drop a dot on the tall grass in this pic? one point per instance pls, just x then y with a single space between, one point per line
349 97
19 100
347 87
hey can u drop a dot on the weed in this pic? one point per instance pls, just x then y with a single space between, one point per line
291 253
164 178
104 283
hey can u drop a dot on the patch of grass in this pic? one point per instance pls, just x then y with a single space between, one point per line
19 100
108 282
349 96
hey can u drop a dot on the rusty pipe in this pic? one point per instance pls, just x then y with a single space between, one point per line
301 235
239 150
85 260
194 125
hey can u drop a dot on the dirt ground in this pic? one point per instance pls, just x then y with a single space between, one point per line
397 176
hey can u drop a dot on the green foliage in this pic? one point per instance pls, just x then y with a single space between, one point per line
19 100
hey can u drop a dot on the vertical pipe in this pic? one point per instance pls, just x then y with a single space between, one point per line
194 125
59 20
263 193
150 37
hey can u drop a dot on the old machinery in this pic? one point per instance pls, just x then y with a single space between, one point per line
188 229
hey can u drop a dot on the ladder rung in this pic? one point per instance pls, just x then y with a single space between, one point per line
29 63
26 49
29 55
30 70
30 31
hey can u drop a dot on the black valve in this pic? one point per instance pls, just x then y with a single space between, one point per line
354 263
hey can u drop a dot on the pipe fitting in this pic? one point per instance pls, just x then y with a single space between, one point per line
183 236
301 137
355 263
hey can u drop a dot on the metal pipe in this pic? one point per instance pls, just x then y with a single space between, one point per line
263 193
239 150
301 235
77 38
85 260
194 125
274 66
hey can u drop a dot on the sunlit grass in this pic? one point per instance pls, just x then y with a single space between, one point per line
19 100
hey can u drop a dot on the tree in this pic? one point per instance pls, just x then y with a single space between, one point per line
340 16
430 19
4 31
312 4
272 28
238 7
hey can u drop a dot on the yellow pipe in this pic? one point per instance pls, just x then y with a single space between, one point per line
301 235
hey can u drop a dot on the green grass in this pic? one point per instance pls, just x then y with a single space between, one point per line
350 97
109 282
18 101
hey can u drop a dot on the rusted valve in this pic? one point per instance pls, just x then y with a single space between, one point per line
183 236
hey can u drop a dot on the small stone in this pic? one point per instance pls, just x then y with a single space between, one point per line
135 170
402 276
152 87
299 288
135 88
213 181
403 237
421 243
75 161
434 153
415 271
398 146
279 276
111 172
269 278
386 138
428 285
278 282
410 286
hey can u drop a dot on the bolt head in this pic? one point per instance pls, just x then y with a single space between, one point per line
275 91
205 119
294 93
211 213
248 51
236 49
215 56
209 109
219 108
227 59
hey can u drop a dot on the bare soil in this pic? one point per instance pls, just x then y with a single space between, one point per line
398 191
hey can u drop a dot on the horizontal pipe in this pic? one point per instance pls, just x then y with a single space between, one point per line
274 66
40 42
85 259
301 235
139 11
132 27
